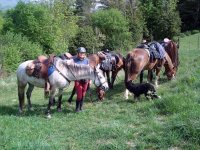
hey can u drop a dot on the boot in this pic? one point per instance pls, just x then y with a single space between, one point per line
81 104
77 106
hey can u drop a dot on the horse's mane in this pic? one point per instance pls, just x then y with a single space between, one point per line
75 68
172 51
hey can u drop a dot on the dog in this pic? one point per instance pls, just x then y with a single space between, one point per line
147 89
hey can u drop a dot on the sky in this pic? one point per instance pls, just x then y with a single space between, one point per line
5 4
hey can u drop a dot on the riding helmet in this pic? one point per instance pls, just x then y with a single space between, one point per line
81 50
106 50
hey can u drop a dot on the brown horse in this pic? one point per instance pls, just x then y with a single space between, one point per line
172 50
97 59
138 60
117 63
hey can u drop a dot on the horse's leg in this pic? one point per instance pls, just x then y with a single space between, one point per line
51 99
21 89
150 76
108 78
59 100
28 95
157 77
114 75
141 76
72 95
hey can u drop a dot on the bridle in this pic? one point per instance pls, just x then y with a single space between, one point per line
101 87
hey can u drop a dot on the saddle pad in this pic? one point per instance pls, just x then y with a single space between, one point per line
51 69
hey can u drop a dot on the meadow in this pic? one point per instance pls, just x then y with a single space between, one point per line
172 122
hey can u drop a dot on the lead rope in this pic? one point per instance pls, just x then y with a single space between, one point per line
60 72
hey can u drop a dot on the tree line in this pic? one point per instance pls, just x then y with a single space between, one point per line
57 26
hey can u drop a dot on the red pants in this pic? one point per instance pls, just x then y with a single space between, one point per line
81 89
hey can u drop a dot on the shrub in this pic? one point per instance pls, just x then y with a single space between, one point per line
16 49
194 31
188 33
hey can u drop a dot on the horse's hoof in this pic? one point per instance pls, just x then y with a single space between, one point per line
48 116
59 110
30 109
20 111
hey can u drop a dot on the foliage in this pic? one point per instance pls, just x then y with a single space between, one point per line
33 21
162 19
1 21
190 14
14 49
51 27
114 26
136 25
64 23
86 38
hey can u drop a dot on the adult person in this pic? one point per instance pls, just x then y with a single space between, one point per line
81 85
165 42
144 44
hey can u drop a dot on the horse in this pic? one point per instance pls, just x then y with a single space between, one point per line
62 72
172 50
114 62
95 60
138 60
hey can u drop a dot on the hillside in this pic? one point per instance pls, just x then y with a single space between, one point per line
171 122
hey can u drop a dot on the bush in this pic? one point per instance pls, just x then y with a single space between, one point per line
188 33
15 49
194 31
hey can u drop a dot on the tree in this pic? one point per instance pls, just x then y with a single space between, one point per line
114 26
161 17
87 38
1 21
50 24
190 14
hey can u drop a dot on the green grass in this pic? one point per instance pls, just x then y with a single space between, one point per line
172 122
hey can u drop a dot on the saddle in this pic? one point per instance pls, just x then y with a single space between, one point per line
110 62
39 67
156 51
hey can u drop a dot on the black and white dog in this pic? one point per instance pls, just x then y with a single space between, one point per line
144 88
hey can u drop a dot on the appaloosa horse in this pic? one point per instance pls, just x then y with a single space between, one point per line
60 73
138 60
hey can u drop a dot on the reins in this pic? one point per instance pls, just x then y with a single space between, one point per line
60 72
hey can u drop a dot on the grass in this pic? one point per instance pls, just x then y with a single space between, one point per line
171 122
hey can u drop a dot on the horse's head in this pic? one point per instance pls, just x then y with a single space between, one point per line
170 73
101 83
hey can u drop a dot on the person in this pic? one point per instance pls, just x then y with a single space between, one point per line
144 44
106 50
165 42
81 85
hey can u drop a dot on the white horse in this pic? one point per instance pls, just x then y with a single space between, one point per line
63 72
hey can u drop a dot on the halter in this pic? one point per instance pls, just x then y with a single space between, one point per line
96 76
59 71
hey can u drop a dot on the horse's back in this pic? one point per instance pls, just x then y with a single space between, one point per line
23 78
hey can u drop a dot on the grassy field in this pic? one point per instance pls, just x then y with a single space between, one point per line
172 122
